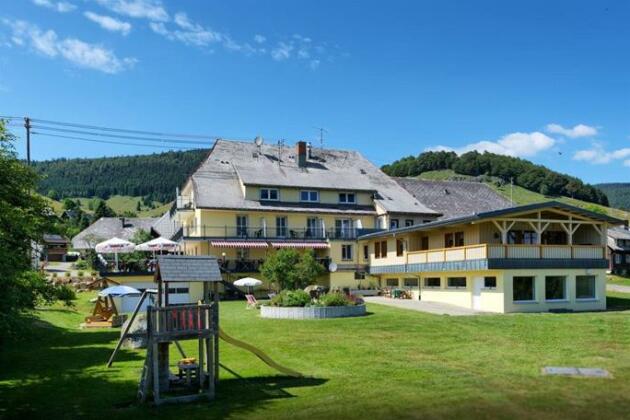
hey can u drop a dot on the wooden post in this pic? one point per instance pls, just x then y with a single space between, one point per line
215 329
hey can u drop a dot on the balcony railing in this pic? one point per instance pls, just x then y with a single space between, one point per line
242 232
184 202
489 251
239 265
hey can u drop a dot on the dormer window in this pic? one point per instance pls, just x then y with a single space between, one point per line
347 198
309 196
269 194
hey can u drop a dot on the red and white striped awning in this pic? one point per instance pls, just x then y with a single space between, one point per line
314 245
239 244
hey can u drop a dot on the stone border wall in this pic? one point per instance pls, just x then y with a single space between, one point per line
311 312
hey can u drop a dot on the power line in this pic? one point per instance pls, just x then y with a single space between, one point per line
122 130
118 136
111 142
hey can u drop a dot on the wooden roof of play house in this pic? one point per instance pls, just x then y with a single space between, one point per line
187 268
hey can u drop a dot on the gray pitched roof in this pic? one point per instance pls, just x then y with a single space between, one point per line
165 226
498 213
188 268
454 198
109 227
54 238
217 182
615 234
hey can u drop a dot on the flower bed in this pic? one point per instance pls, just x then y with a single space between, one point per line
311 312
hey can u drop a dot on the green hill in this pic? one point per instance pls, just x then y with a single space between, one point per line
618 194
520 171
120 204
520 195
154 176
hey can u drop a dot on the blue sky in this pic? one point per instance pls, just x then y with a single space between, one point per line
547 81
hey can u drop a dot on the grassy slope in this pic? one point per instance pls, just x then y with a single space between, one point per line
118 203
392 363
524 196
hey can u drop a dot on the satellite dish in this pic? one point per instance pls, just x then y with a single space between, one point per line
332 267
259 141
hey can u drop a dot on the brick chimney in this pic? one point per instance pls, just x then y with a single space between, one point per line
300 154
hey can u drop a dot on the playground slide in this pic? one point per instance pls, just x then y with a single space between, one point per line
260 354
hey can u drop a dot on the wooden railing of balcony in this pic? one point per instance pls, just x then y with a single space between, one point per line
484 251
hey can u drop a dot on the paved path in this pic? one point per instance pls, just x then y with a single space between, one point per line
422 306
618 288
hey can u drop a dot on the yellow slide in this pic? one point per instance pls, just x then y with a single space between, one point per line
259 353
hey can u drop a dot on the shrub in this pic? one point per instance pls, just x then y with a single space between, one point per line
291 298
65 294
68 274
335 299
93 273
80 274
81 265
54 275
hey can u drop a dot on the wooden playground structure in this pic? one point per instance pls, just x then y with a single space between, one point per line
196 377
104 315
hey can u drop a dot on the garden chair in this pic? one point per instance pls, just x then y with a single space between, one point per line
251 302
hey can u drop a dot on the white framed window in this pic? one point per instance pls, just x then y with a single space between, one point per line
347 198
408 222
269 194
456 282
432 282
585 287
346 252
617 258
281 226
523 289
393 223
555 288
309 196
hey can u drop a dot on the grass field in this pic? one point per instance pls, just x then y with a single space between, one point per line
623 281
521 195
118 203
391 363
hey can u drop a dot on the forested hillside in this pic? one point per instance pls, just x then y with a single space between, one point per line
524 173
618 194
154 176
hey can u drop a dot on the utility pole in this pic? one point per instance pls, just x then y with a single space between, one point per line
27 125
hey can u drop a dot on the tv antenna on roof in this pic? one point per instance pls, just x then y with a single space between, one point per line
321 135
280 146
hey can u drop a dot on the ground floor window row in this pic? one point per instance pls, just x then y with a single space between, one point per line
523 287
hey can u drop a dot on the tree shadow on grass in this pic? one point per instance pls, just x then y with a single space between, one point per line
618 303
55 372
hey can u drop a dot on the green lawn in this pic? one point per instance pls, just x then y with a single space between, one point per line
613 279
392 363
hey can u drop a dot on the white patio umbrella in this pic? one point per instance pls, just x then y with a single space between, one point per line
119 291
115 246
248 282
157 244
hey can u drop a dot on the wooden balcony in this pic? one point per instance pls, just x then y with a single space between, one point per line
498 251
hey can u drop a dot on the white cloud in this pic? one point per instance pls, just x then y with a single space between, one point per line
59 6
259 39
580 130
74 50
282 51
598 155
109 23
513 144
140 9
